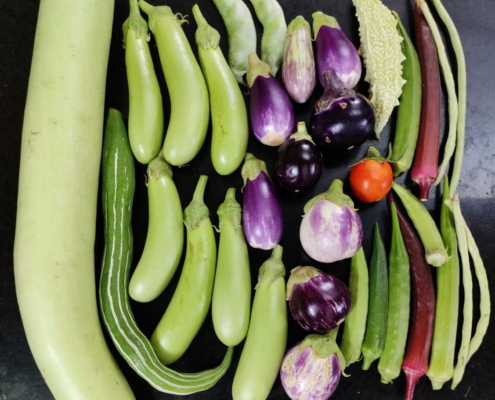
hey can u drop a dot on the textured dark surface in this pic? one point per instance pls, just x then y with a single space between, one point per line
19 376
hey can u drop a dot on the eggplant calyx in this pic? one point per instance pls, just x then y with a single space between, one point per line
298 23
372 154
256 68
197 211
158 12
320 19
300 275
334 194
230 210
272 269
206 36
252 168
302 133
324 346
158 167
137 24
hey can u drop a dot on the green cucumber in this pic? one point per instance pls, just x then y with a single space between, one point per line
133 345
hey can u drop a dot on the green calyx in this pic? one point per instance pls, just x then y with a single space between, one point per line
158 167
335 194
157 13
135 22
323 346
206 36
272 269
300 275
320 19
252 168
298 23
230 210
256 68
372 154
302 133
197 211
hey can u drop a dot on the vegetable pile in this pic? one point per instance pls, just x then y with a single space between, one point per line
389 309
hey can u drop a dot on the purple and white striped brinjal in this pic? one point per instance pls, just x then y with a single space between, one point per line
331 229
298 68
262 220
271 112
311 369
318 301
335 52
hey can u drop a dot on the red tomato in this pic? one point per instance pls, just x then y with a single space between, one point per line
371 180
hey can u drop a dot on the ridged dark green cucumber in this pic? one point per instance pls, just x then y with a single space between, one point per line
135 348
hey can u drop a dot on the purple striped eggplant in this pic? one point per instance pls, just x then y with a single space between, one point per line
335 52
261 213
271 112
311 369
331 229
298 68
318 301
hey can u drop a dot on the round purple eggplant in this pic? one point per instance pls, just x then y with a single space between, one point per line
262 220
342 121
298 68
318 301
335 52
299 162
331 229
271 112
311 369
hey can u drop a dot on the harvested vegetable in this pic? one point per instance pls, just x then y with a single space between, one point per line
343 119
265 344
409 110
262 219
299 164
371 178
57 198
376 325
190 107
436 254
311 369
398 304
318 301
415 363
425 166
229 120
145 98
335 52
190 303
271 16
158 263
118 191
441 367
271 112
382 57
298 67
241 34
231 302
331 229
355 322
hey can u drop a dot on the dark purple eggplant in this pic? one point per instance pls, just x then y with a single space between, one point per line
271 111
299 162
343 119
335 52
262 220
318 301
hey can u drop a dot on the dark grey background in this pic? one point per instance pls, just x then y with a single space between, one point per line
19 376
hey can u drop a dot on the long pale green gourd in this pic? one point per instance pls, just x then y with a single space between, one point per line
56 210
133 345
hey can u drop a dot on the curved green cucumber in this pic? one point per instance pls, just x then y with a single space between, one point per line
165 237
436 254
231 301
191 300
190 107
228 110
266 340
145 98
132 344
409 110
